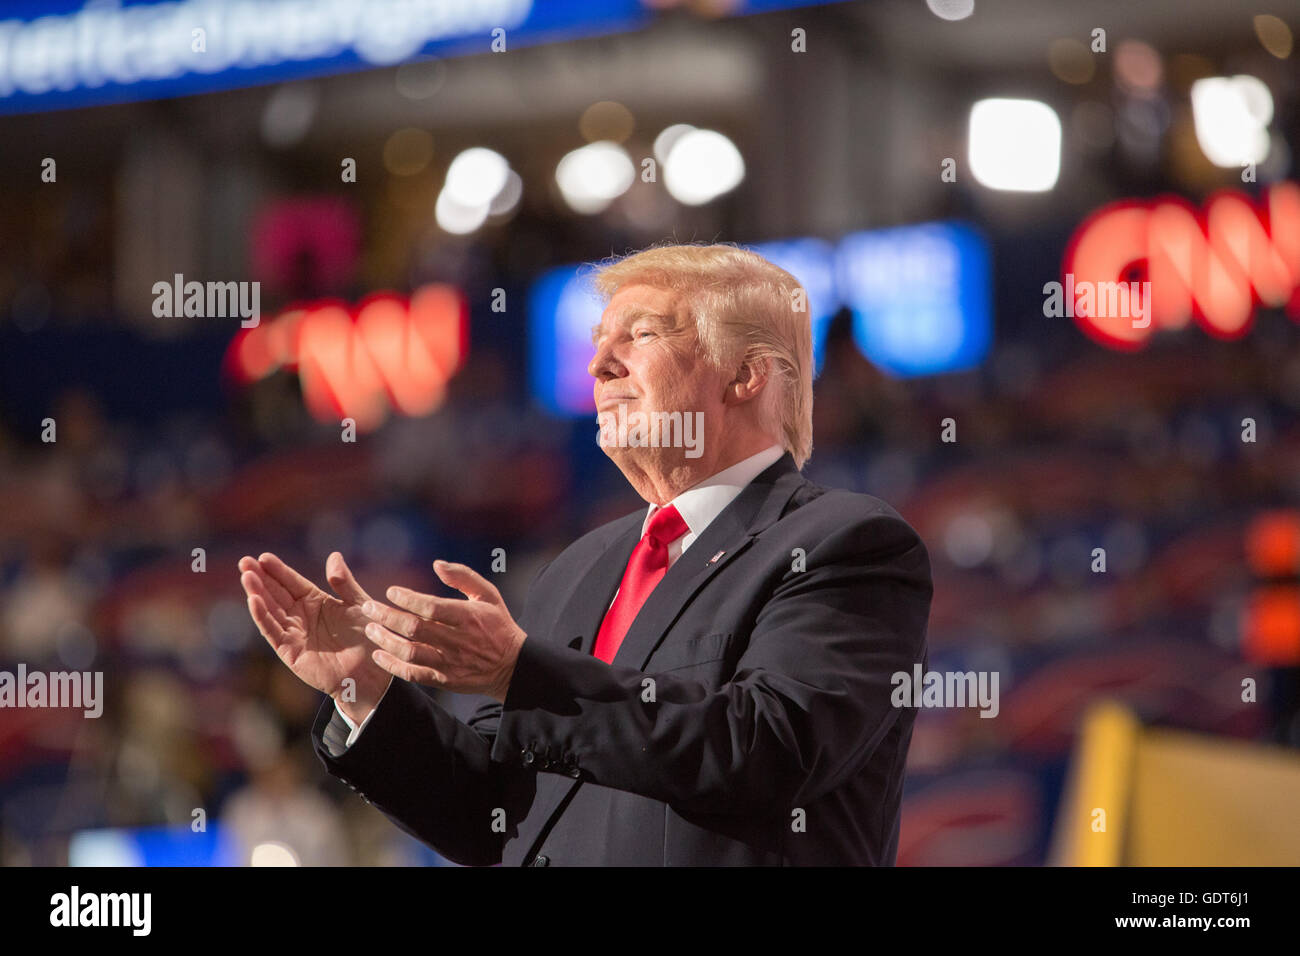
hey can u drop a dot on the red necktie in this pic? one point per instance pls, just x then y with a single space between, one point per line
645 569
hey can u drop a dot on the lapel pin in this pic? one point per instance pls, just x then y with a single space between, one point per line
714 559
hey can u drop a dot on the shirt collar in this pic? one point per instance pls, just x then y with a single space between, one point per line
701 503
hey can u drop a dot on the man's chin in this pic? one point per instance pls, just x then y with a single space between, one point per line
642 458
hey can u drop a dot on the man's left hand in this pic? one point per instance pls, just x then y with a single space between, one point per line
468 647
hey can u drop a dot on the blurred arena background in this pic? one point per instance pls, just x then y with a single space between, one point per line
413 187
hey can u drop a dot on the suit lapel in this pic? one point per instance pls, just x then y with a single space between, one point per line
594 585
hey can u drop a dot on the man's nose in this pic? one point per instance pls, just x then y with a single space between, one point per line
604 364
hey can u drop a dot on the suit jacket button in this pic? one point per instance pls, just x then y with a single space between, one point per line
540 860
529 757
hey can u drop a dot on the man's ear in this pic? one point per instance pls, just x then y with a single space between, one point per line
750 380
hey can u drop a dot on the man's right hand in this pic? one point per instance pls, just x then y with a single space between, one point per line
320 637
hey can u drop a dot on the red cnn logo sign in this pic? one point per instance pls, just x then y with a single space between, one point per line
1213 267
390 354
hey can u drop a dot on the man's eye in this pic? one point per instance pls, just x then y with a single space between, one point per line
642 332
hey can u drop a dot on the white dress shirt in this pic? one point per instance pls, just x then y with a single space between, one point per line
698 506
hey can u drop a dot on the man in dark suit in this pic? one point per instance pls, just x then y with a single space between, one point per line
704 683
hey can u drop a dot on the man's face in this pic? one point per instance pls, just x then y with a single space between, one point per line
648 360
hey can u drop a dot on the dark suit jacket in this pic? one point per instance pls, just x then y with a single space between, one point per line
746 719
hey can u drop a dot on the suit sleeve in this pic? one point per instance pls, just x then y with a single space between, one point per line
809 701
428 772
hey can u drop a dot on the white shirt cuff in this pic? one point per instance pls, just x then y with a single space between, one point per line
356 729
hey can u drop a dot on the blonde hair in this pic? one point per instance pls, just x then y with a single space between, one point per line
746 310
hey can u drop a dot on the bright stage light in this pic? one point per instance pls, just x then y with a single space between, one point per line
951 9
273 854
592 177
701 166
667 139
476 176
1015 145
457 218
1231 115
